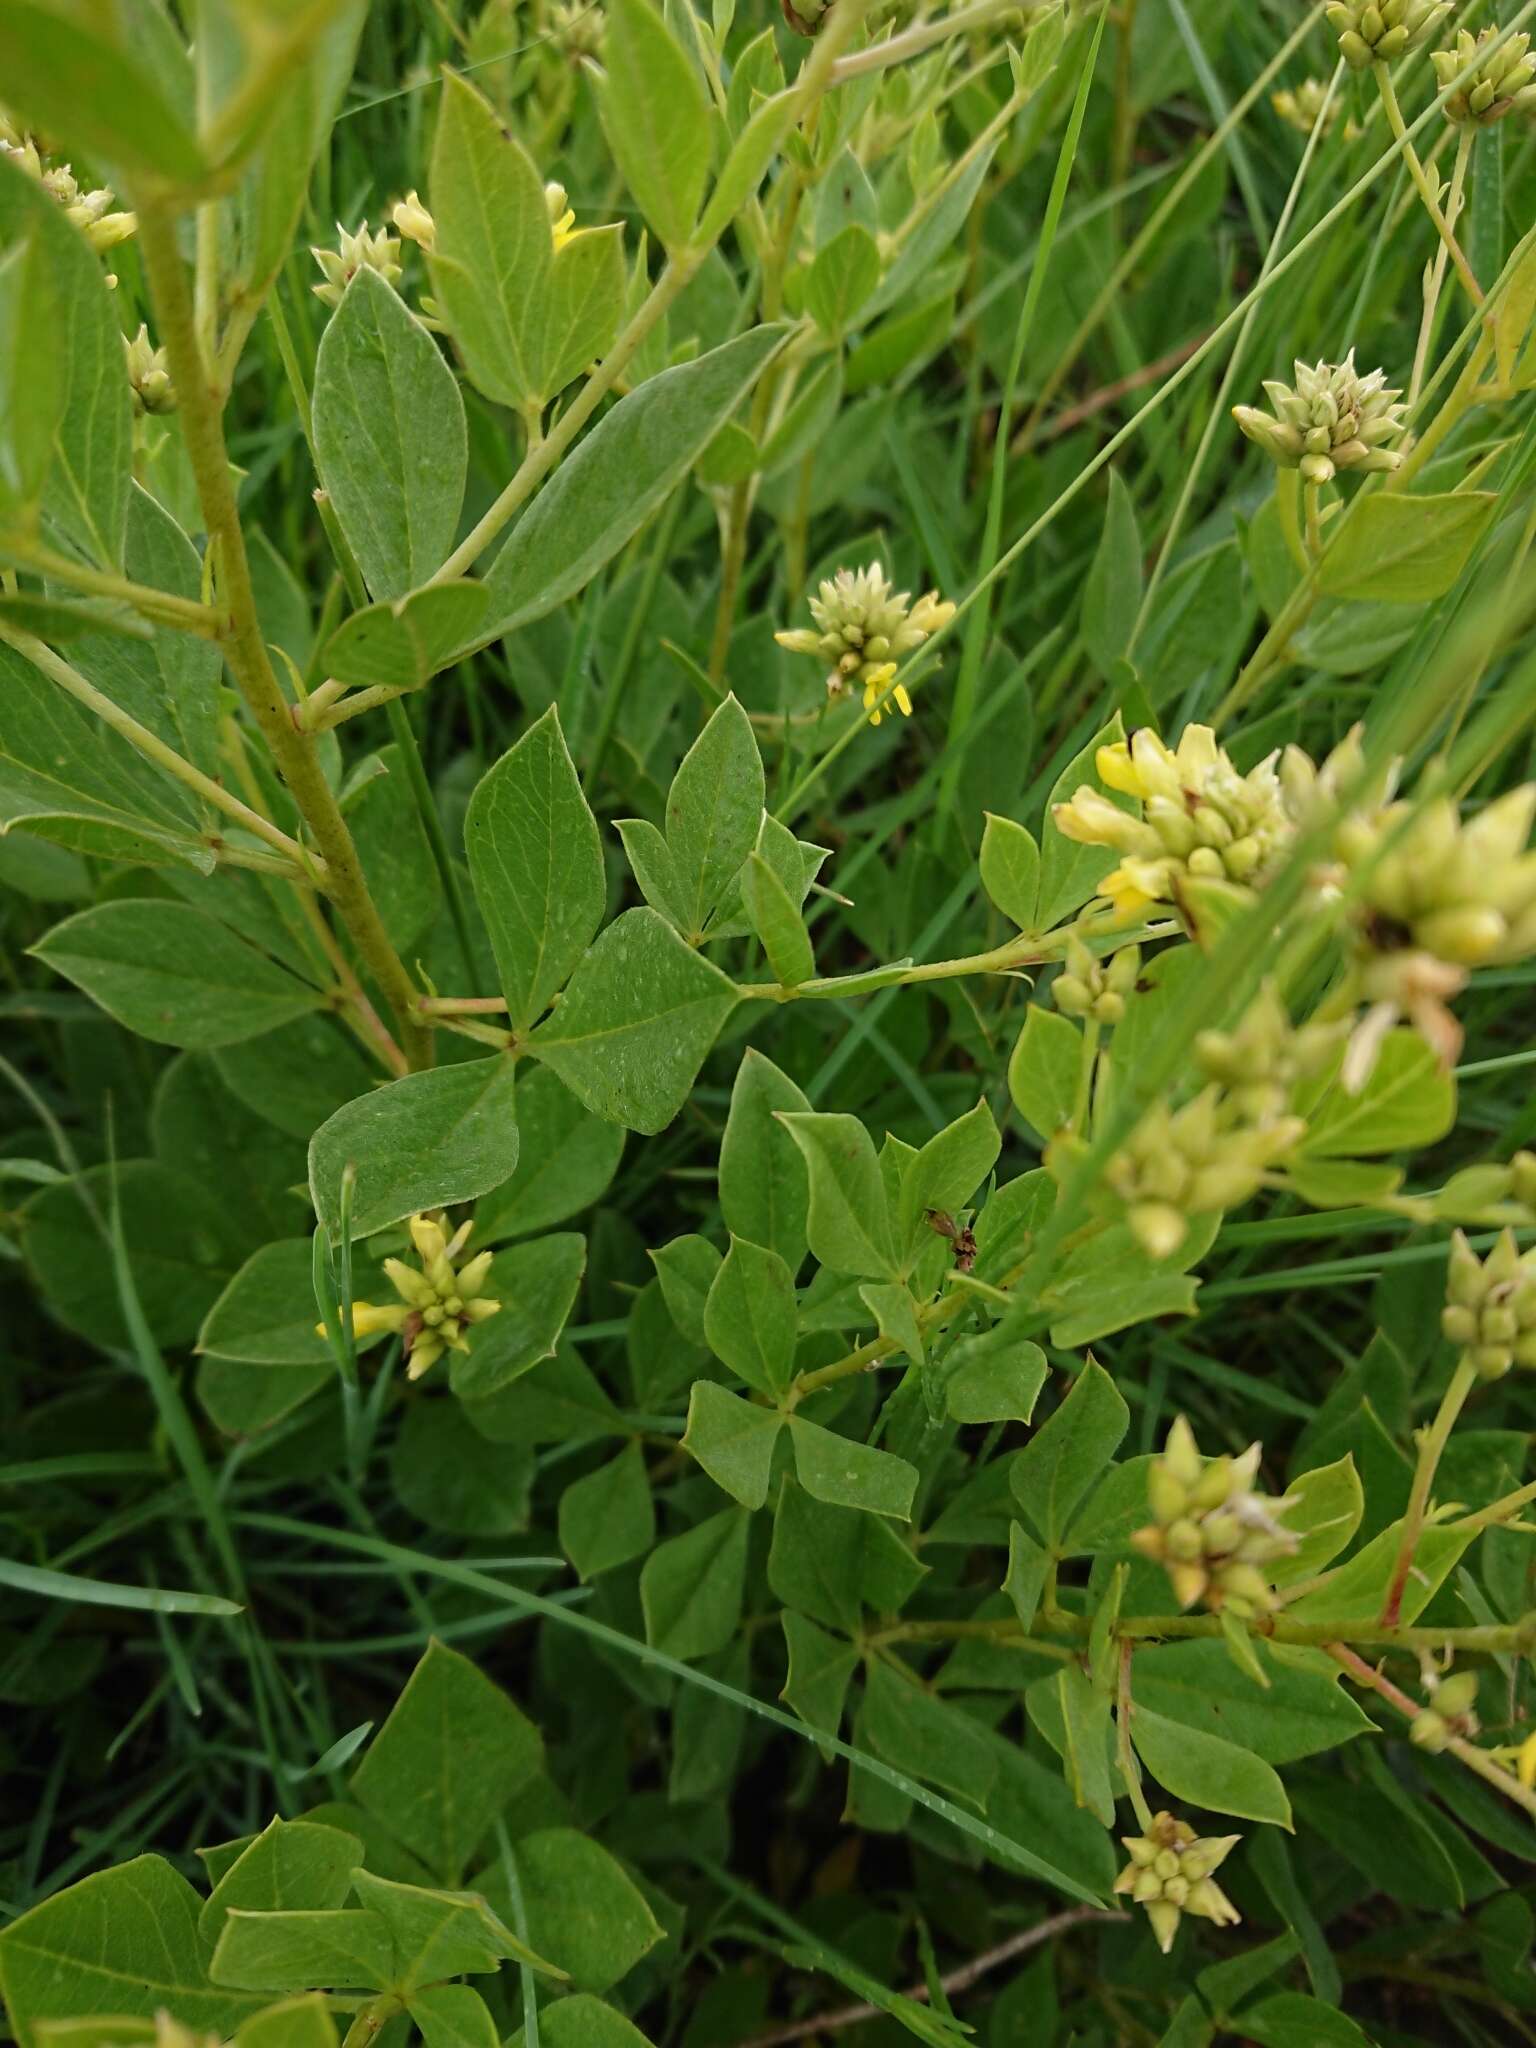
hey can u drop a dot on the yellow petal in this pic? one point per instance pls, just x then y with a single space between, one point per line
1128 901
368 1320
1117 770
1525 1763
903 701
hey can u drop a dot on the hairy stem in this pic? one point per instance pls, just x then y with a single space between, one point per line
162 607
244 646
371 2021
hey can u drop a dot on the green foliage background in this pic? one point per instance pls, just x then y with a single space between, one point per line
707 1737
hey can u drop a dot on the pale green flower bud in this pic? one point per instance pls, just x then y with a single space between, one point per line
1303 106
1169 1873
1503 83
360 251
1333 418
1071 996
1455 1697
1160 1228
413 222
1490 1311
1211 1531
149 375
1427 1730
1377 31
862 624
1181 1455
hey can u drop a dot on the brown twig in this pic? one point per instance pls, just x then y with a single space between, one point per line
1475 1759
957 1980
1031 435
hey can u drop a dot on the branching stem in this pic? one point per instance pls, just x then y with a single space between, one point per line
244 645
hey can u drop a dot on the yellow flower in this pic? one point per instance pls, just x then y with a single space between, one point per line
1197 815
562 218
440 1300
1525 1763
863 627
1128 900
877 678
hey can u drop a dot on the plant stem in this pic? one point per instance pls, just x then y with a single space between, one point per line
1421 183
371 2021
733 555
1498 1512
153 748
1491 1639
913 41
1024 951
1124 1754
1431 1446
185 614
1437 273
542 456
1310 497
244 645
1462 397
1477 1760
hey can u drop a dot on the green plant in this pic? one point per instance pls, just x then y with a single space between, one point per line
418 773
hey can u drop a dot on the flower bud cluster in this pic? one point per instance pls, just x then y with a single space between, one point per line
1301 107
90 212
576 28
1260 1064
1377 31
1198 816
1490 1306
1210 1530
1181 1163
1087 987
863 627
362 251
1503 83
1170 1873
1450 1712
149 375
1331 419
1435 896
440 1300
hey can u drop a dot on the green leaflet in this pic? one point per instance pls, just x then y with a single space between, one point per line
451 1754
174 975
537 866
656 118
417 1143
604 491
389 437
86 489
633 1027
123 1940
